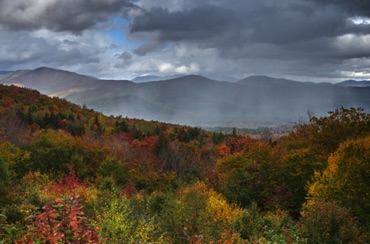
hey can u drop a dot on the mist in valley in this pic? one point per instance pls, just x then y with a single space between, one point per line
256 101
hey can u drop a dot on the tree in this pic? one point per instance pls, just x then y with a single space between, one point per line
196 213
307 149
53 151
327 133
325 222
346 180
118 222
115 169
4 176
75 128
297 168
17 160
250 176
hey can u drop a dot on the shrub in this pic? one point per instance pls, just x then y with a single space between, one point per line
118 222
62 220
325 222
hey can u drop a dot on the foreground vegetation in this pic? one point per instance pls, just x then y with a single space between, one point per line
72 175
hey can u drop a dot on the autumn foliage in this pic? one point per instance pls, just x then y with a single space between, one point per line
73 175
62 221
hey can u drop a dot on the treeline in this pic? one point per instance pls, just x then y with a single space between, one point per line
71 175
279 130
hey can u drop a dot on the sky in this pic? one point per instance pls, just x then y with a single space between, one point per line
307 40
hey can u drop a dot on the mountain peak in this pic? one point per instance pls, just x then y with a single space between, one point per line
266 80
46 69
194 77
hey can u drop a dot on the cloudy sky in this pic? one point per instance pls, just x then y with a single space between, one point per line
315 40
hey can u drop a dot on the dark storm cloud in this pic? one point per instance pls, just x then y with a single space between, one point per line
198 23
283 26
66 15
353 7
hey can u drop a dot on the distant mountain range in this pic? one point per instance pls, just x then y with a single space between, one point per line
348 83
196 100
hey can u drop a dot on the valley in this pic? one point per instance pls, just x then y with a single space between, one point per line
257 101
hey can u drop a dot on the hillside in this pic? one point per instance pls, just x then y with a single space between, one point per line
69 173
50 81
196 100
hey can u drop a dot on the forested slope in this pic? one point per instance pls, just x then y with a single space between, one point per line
72 175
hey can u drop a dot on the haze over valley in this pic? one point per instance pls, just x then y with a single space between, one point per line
196 100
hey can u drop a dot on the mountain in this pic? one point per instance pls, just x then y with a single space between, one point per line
197 100
5 74
262 81
147 78
50 81
354 83
221 77
11 74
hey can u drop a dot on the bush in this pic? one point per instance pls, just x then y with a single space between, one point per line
270 227
9 233
62 220
197 213
325 222
119 222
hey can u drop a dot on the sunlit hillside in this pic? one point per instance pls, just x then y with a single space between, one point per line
69 174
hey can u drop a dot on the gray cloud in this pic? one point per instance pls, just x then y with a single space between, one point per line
313 35
124 58
247 21
66 15
147 48
24 50
316 38
198 23
353 7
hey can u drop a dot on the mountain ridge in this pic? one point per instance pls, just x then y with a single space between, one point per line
361 83
197 100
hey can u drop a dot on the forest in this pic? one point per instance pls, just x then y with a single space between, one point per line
69 174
